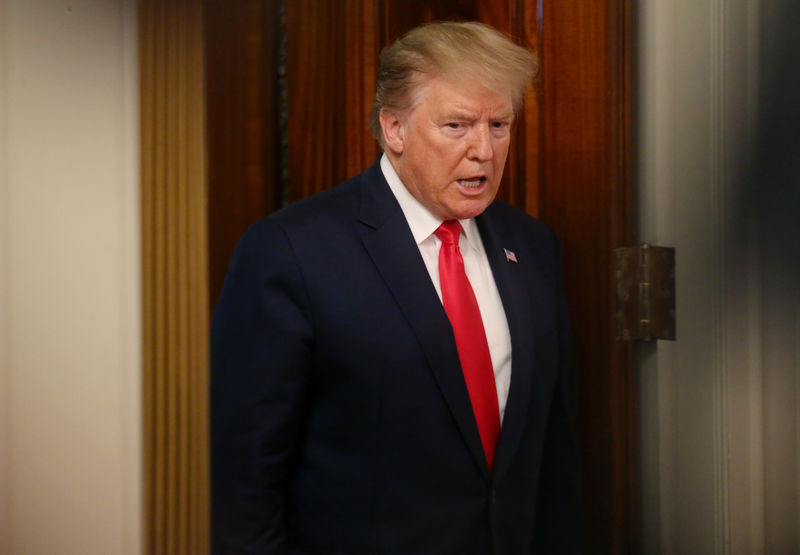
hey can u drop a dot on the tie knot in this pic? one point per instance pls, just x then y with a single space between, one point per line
449 232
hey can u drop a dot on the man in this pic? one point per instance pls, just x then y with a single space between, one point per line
389 357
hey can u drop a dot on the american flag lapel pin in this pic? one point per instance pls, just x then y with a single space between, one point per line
510 256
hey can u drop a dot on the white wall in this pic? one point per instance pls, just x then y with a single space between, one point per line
70 362
719 407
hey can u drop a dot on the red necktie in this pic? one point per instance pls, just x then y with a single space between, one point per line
473 350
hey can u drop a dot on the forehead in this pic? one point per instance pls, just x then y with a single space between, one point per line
443 94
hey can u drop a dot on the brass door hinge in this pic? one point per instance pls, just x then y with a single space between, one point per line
645 292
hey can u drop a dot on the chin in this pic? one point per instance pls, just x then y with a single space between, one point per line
469 212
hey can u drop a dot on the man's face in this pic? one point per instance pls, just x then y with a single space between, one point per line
452 147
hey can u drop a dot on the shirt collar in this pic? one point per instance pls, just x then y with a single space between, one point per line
419 218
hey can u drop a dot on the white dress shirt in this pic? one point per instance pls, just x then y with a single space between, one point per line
423 224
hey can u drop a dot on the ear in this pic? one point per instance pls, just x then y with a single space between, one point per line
393 130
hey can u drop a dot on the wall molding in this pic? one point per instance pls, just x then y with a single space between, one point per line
5 344
175 277
718 188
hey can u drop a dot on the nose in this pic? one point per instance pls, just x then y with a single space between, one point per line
480 147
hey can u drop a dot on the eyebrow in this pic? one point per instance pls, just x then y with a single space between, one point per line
461 115
471 116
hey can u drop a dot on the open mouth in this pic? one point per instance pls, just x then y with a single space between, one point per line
472 182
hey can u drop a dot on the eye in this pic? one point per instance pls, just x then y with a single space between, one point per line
499 124
453 125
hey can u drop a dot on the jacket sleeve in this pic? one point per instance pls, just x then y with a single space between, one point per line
560 526
261 345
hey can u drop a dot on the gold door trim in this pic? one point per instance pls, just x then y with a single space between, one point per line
175 280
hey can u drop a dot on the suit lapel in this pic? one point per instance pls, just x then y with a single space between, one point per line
391 246
513 289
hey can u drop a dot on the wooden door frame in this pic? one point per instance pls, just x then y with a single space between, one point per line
586 195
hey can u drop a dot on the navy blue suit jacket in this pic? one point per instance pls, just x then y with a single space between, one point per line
340 418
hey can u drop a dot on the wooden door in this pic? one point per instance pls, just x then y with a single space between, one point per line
290 86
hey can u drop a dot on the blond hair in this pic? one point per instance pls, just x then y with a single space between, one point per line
471 50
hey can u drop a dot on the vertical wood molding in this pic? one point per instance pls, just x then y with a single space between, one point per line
737 330
754 505
717 183
746 505
175 282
